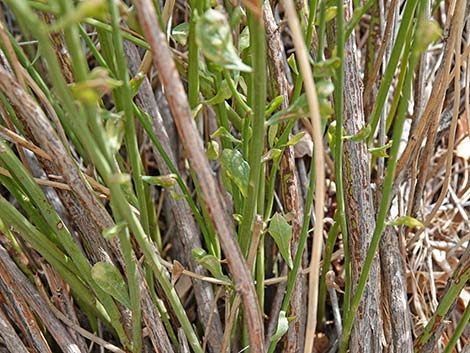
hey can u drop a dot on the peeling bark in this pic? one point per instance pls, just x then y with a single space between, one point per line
367 332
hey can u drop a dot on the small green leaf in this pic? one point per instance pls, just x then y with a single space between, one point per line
236 168
181 33
88 8
214 38
406 221
381 151
210 263
223 93
326 68
275 103
244 40
330 14
298 109
115 133
282 327
281 231
136 81
293 64
295 139
273 153
212 151
120 179
331 137
427 33
223 132
110 280
165 181
114 230
361 135
324 88
272 134
97 84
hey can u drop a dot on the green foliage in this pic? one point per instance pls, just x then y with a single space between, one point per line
236 169
109 279
281 231
214 39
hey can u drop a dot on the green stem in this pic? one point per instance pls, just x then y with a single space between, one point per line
457 283
258 100
405 26
462 325
338 154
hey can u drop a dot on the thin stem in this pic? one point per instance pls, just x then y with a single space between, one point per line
338 157
258 100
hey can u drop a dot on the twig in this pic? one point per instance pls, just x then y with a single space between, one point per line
319 172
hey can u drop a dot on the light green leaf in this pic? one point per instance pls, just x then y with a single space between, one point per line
244 40
276 102
136 81
326 68
282 327
427 33
273 153
295 139
330 14
406 221
236 168
212 151
223 93
361 135
281 231
381 151
88 8
272 133
213 37
223 132
181 33
324 88
114 230
298 108
210 263
115 133
293 64
110 280
165 181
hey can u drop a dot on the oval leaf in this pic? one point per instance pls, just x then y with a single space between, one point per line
181 33
214 39
165 181
281 231
210 263
114 230
109 279
406 221
236 168
282 327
